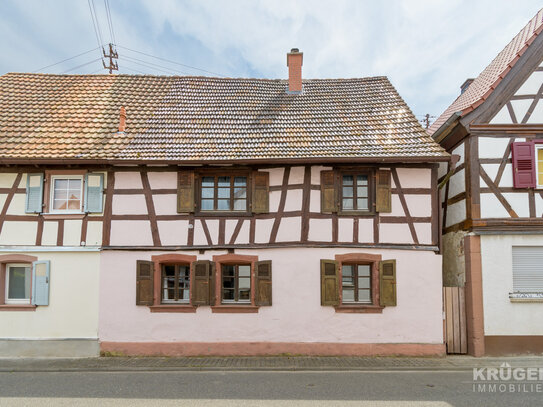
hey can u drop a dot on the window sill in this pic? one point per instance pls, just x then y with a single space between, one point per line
63 215
361 309
526 297
235 309
17 307
173 308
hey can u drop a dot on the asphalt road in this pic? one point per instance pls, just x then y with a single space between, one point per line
232 388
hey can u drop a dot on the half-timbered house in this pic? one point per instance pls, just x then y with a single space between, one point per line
493 201
196 215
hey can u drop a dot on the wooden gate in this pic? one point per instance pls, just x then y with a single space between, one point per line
455 320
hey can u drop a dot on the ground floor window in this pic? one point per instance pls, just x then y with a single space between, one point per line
18 280
356 283
175 283
528 269
236 283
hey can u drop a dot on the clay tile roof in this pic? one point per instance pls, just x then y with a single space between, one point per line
479 90
205 119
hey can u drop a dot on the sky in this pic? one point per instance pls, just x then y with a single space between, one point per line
427 48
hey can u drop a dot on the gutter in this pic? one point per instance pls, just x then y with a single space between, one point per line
446 128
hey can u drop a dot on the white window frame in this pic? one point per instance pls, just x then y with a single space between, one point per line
536 165
7 300
52 193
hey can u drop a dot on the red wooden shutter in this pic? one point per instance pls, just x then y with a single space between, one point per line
523 164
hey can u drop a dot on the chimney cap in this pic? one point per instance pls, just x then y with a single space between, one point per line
294 50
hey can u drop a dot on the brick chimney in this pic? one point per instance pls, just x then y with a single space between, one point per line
122 119
294 63
466 84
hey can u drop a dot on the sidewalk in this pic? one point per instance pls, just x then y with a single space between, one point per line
272 363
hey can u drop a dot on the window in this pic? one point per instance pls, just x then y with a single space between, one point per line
356 283
66 193
354 192
236 283
528 269
539 166
223 193
175 283
18 280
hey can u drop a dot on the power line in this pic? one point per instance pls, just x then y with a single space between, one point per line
64 60
148 65
110 21
135 70
95 26
81 66
97 22
172 62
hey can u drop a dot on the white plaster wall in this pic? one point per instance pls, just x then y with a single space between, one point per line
7 179
17 205
365 231
131 233
502 116
456 212
72 232
73 301
276 176
460 151
345 230
316 173
296 175
415 177
537 114
294 200
419 205
263 229
519 202
94 234
289 230
162 180
315 201
296 314
50 232
173 232
497 266
491 207
320 230
457 183
128 180
129 205
492 147
507 176
165 204
531 85
395 233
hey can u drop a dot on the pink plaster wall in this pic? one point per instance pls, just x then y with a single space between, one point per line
345 230
424 232
296 314
320 230
129 205
276 176
294 200
415 177
289 230
162 180
397 209
128 180
394 233
263 229
419 205
296 175
165 204
131 233
365 230
173 232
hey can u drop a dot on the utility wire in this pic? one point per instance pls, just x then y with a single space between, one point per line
80 66
97 22
96 27
172 62
109 21
148 65
64 60
157 65
136 70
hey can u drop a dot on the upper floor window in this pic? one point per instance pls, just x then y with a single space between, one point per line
67 193
175 283
355 192
223 193
18 278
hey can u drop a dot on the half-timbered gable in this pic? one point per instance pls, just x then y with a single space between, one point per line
491 194
294 201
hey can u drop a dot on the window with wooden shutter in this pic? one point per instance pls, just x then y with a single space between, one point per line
523 164
34 193
263 295
94 190
329 201
144 282
185 192
201 282
261 192
329 282
383 197
387 283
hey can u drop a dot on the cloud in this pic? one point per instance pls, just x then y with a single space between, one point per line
426 47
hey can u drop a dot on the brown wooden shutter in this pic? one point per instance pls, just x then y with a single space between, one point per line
144 282
261 192
387 283
185 191
212 282
263 295
201 280
329 282
383 200
329 201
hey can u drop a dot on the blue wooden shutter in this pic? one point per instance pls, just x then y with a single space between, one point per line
34 193
94 184
40 282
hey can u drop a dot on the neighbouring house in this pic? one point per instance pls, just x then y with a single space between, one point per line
195 215
493 200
